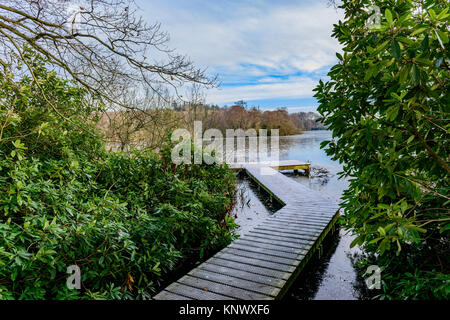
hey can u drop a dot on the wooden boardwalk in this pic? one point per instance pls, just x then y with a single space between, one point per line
278 165
263 263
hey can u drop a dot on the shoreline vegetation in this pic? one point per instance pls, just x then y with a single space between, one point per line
126 220
387 103
146 129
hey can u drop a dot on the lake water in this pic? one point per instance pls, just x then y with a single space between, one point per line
333 276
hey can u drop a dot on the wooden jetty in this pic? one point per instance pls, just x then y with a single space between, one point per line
277 165
263 263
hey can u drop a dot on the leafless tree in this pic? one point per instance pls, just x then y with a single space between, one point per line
104 45
333 3
143 124
196 98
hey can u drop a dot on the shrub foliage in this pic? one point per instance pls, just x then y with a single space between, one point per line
387 104
125 220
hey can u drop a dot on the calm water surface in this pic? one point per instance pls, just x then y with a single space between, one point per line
333 276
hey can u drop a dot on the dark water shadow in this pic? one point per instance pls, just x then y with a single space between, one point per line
310 279
262 195
253 205
332 275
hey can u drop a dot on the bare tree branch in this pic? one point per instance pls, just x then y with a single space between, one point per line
103 45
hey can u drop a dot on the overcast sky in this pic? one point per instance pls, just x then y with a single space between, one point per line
265 52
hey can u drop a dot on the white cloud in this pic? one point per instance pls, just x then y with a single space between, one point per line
296 109
275 35
240 39
298 87
302 109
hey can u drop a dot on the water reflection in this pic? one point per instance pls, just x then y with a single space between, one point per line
331 276
252 205
306 147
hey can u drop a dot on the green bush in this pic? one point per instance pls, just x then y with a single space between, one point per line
125 220
387 104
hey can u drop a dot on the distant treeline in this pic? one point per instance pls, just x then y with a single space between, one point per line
149 127
238 116
306 121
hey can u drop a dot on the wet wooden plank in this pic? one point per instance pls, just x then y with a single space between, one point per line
261 256
302 238
272 246
256 262
302 215
250 268
232 281
303 208
193 292
288 231
303 222
290 247
313 202
312 225
289 227
273 236
241 274
268 251
280 241
215 287
317 214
